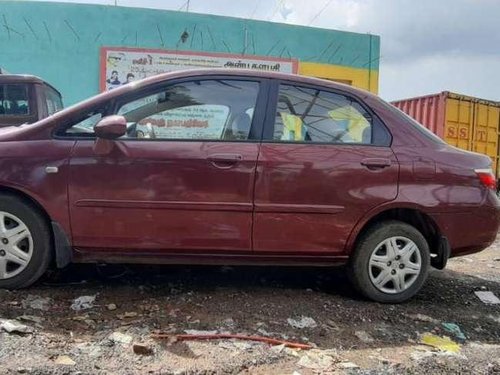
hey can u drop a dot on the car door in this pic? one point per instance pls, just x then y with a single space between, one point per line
181 179
325 161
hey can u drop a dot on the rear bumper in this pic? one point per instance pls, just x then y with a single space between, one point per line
471 231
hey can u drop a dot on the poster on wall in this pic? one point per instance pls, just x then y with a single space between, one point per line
123 65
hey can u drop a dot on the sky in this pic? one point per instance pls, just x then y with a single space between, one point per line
427 46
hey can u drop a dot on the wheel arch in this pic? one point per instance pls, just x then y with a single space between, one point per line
410 214
27 198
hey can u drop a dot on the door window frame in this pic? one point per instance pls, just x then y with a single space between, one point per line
112 106
383 138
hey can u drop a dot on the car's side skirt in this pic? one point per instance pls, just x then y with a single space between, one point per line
193 258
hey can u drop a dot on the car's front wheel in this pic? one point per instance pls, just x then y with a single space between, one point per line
390 263
25 243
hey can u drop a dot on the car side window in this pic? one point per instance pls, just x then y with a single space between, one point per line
195 110
312 115
84 127
53 100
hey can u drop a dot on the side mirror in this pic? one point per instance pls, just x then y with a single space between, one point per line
111 127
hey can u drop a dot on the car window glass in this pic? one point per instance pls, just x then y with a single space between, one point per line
85 127
53 100
310 115
200 110
14 100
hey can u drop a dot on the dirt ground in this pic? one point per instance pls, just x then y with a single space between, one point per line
349 334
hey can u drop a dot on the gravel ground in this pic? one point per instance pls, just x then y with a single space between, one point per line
349 335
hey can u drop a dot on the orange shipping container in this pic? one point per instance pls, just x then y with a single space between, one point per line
466 122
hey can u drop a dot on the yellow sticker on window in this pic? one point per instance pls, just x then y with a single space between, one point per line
293 127
355 122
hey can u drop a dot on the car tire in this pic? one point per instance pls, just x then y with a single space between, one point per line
390 263
25 243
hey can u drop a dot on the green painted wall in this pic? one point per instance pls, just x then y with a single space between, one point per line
60 42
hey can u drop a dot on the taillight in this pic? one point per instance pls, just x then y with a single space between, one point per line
487 178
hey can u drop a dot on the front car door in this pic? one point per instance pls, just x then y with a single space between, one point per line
181 180
324 163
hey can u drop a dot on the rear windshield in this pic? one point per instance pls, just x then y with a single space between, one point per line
416 125
14 100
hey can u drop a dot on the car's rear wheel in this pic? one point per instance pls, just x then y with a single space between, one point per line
25 243
390 263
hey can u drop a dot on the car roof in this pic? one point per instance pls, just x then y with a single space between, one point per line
253 73
206 73
193 73
25 78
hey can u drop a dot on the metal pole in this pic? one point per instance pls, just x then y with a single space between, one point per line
245 41
370 66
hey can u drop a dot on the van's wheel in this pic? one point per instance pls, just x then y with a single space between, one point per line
390 263
25 243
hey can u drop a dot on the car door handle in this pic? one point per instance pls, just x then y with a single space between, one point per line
225 157
225 160
376 163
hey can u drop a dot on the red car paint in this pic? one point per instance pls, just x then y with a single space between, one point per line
243 202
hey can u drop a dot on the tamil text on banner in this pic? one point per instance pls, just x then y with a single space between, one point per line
122 65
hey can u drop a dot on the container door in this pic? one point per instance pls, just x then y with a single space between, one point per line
459 122
486 123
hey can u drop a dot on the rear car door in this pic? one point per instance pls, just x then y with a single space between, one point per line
181 180
325 161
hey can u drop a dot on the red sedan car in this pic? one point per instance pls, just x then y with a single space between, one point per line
238 167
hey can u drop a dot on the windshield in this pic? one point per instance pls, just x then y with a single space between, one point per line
14 100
